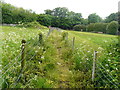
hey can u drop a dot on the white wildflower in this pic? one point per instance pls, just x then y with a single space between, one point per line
42 57
106 65
109 60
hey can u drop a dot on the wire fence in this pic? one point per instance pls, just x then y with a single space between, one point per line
102 77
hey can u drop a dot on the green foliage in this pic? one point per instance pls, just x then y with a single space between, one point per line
61 17
32 25
97 27
84 21
60 12
90 27
79 28
112 27
111 17
54 64
14 15
93 18
45 19
100 27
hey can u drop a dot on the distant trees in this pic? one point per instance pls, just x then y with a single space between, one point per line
94 18
111 17
14 15
60 17
45 19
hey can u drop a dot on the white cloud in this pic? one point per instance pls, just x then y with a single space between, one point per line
86 7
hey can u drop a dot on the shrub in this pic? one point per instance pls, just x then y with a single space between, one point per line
97 27
90 27
112 27
100 27
34 24
79 28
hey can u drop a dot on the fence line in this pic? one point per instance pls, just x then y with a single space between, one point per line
107 78
93 73
110 75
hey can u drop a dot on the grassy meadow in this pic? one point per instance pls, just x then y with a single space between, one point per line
52 63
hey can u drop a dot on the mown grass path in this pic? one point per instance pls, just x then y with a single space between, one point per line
64 73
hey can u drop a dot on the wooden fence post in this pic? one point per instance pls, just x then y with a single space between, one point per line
94 65
66 38
40 38
23 54
73 43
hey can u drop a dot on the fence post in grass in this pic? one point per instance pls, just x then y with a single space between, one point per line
23 54
66 36
94 65
50 30
73 42
40 38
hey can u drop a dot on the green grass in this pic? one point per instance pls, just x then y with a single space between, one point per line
55 64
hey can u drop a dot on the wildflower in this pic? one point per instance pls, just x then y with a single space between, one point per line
36 51
109 60
106 65
110 53
88 51
42 57
87 58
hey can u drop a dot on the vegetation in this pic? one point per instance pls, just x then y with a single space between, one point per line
112 27
51 62
32 25
56 58
93 18
59 17
97 27
79 28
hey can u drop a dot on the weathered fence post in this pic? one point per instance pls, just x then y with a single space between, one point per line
50 30
40 38
66 38
73 42
23 54
94 65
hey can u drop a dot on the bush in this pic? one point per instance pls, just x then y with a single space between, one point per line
79 28
100 27
34 24
112 28
97 27
90 27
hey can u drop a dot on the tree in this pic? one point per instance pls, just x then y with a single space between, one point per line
48 11
62 18
45 19
93 18
112 27
60 12
84 21
12 14
111 17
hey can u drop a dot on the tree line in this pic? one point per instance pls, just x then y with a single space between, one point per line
60 17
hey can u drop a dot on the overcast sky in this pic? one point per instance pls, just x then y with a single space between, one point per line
86 7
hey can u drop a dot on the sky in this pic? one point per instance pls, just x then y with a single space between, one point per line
103 8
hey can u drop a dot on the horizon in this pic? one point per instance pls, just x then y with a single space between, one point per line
79 6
